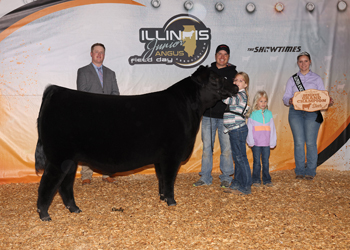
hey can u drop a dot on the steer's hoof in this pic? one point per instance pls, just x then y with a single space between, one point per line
171 202
77 211
74 209
43 216
162 198
47 218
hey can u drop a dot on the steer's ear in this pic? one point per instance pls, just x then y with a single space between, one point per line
201 75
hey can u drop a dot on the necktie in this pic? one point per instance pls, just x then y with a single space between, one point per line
100 75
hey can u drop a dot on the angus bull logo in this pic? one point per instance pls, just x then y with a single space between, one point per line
306 106
184 41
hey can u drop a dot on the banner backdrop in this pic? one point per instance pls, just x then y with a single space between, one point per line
45 42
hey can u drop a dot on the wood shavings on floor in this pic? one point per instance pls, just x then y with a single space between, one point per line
293 214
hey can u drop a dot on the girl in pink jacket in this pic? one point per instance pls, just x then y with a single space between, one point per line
261 137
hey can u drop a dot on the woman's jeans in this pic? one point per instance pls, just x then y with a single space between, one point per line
243 177
209 127
305 131
264 153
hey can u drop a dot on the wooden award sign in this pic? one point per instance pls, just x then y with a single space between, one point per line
311 100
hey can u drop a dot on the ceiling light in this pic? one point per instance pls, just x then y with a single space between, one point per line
310 7
279 7
342 5
155 3
250 7
188 5
219 6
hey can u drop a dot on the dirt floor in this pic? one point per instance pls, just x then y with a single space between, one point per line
294 214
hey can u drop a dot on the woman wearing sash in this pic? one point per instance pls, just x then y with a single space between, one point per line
304 125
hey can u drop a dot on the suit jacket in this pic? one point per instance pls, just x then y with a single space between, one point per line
89 81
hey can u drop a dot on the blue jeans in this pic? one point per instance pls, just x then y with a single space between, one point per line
209 127
264 152
305 131
243 177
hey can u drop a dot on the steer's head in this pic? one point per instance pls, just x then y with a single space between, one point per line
213 87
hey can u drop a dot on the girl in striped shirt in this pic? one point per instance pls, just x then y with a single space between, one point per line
235 126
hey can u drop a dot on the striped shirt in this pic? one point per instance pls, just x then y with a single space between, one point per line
236 104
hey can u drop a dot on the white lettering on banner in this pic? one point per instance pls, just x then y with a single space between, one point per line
172 35
183 41
152 47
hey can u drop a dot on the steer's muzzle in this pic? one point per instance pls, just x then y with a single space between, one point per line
228 88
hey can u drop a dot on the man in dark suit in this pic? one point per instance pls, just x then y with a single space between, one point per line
96 78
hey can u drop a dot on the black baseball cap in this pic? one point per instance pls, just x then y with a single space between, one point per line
223 47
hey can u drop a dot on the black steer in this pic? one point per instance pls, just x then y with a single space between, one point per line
121 133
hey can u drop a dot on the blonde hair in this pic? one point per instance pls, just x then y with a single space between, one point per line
259 94
246 80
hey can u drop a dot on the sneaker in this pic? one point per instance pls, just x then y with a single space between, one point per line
269 184
309 177
86 182
108 179
234 186
299 177
224 184
256 184
200 183
234 191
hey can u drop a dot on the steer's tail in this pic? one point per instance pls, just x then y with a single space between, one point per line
40 157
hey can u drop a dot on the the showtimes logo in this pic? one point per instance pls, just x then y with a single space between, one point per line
275 49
